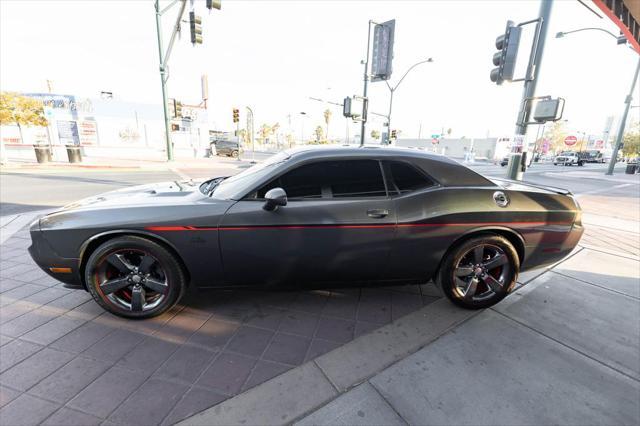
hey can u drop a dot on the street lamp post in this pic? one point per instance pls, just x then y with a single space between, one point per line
302 115
392 91
627 102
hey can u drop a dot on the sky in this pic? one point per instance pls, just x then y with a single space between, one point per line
273 55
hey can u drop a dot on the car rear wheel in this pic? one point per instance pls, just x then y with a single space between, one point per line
134 277
234 154
479 272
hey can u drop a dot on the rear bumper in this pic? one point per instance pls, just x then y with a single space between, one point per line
62 269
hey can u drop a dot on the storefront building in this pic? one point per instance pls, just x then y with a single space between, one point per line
108 128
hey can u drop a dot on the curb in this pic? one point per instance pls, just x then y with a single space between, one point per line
302 390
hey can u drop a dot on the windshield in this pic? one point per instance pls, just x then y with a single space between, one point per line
567 153
230 187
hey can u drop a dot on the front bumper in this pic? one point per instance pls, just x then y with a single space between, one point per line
61 268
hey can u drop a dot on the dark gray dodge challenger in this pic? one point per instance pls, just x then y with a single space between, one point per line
322 217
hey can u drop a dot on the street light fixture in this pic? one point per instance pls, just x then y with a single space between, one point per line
627 101
621 39
392 90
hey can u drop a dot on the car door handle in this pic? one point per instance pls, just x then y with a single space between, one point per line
377 213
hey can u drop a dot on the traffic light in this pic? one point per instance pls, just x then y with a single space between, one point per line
214 4
195 24
346 107
393 134
178 109
505 58
236 115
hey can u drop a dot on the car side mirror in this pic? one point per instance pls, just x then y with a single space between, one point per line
273 198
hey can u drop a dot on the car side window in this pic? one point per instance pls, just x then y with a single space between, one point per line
331 179
405 178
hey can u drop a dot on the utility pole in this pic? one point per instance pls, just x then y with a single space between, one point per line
535 62
623 122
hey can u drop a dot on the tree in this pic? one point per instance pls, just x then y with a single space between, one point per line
327 118
274 132
631 141
265 131
243 136
21 111
375 134
319 134
290 140
556 135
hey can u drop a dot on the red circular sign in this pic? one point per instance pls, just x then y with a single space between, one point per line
570 140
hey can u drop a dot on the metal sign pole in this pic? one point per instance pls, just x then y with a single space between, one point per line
363 123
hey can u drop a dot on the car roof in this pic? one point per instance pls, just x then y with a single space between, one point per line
446 171
325 151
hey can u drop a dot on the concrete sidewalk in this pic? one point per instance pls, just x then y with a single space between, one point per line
564 349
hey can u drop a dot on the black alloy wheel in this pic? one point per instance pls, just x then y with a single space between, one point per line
479 272
134 278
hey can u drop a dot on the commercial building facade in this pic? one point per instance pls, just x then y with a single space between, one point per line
108 128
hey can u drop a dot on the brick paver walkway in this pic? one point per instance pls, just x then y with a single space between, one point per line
63 360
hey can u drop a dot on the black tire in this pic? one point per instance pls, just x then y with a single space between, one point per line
164 272
234 153
461 258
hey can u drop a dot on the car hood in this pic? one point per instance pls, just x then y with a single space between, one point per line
162 193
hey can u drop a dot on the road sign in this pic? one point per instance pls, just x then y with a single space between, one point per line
435 136
382 56
570 140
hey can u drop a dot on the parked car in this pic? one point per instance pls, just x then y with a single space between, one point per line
504 161
223 147
568 158
593 156
316 216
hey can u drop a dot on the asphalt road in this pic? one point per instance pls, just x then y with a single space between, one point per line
33 189
564 177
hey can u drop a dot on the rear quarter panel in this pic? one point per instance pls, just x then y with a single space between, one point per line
431 221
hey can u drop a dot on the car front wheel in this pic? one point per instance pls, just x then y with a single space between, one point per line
134 277
479 272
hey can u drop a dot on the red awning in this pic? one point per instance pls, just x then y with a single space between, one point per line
626 15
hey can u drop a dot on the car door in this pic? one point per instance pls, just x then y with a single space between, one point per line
417 198
337 226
